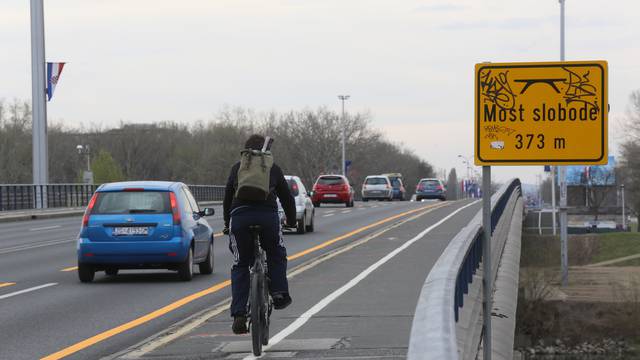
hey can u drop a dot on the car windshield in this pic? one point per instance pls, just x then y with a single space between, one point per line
330 180
376 181
430 184
132 202
293 187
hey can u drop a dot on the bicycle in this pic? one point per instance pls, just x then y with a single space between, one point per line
260 302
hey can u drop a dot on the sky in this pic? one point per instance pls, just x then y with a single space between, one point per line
409 63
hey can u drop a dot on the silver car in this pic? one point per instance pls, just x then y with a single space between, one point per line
377 187
305 210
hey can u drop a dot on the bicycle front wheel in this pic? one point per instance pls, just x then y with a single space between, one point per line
256 312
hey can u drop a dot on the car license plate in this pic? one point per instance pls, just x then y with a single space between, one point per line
131 231
330 195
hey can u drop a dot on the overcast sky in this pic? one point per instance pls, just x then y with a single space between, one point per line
408 62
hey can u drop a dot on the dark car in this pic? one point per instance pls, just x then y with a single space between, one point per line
430 189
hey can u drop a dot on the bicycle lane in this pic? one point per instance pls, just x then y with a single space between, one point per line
337 312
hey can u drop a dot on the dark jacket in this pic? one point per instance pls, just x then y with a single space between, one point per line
277 186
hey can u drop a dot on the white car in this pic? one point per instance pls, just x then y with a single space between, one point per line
377 187
305 211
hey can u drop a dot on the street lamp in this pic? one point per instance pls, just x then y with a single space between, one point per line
86 150
344 161
465 160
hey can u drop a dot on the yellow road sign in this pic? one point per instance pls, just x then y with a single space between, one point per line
551 113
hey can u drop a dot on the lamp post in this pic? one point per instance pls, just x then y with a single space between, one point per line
564 261
39 104
344 160
86 150
624 218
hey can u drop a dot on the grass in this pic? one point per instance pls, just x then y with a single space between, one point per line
616 245
544 250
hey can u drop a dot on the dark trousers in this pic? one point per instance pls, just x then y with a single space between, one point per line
241 245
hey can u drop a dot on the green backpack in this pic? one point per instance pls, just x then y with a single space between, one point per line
254 173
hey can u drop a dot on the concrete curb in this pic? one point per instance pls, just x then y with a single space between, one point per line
505 297
51 214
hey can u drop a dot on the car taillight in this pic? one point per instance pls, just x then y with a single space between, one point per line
420 186
294 188
87 213
439 187
345 187
174 209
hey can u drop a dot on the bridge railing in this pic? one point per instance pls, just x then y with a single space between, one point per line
447 321
29 196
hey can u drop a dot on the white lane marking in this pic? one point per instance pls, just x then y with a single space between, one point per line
170 334
327 215
345 212
46 228
27 290
37 245
353 282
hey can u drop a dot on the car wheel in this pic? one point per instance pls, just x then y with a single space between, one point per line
301 228
310 226
206 267
111 271
185 269
86 273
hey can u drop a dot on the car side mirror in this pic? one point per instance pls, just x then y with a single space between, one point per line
310 193
206 212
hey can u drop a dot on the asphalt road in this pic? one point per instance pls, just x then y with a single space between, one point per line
46 311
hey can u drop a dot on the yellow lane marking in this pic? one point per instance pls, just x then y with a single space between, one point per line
74 268
3 284
359 230
179 303
134 323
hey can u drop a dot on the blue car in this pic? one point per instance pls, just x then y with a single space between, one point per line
144 225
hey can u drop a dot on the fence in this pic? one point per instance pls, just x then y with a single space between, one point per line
29 196
440 330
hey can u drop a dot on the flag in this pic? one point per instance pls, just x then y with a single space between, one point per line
53 76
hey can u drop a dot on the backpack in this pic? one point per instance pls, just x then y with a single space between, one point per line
254 173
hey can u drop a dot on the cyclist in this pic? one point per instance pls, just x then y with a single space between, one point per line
238 216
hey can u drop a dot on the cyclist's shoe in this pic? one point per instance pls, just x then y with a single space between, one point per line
240 325
281 300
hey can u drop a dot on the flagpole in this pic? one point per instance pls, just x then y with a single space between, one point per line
39 105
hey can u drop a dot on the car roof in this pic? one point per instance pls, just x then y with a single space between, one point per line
433 179
289 177
146 185
377 176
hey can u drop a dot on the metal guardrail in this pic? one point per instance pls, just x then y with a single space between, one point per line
29 196
434 329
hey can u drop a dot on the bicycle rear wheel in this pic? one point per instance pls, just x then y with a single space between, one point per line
266 312
256 312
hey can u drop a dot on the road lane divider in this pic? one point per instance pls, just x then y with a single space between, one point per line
46 228
302 319
190 298
5 296
34 246
5 284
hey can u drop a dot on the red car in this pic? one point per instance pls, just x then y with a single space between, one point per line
333 189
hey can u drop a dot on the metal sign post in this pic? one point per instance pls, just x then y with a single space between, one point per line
564 260
487 281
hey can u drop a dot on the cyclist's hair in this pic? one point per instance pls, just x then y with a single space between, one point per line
255 142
